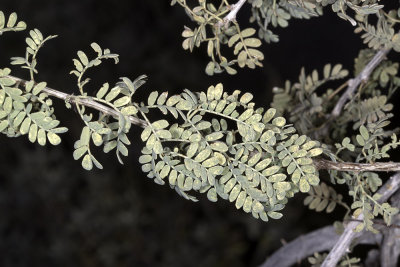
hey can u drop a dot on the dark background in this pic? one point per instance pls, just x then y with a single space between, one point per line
54 213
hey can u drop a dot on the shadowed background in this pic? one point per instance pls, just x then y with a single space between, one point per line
54 213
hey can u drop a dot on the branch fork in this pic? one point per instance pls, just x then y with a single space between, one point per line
232 14
354 83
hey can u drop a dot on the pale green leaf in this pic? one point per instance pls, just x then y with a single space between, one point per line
212 195
219 146
54 139
304 185
160 124
279 121
3 125
122 101
246 98
152 98
87 163
85 135
240 200
315 152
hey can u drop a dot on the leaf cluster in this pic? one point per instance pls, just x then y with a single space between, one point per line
11 23
209 19
34 42
322 197
219 143
106 131
303 103
27 111
226 148
270 14
368 113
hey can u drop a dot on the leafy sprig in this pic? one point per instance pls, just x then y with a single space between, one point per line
258 164
209 19
104 131
11 23
35 41
27 112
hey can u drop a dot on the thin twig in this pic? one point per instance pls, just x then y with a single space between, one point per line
343 244
363 76
377 222
88 102
232 14
323 164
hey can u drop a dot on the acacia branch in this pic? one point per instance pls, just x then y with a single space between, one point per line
323 164
343 244
87 101
232 14
363 76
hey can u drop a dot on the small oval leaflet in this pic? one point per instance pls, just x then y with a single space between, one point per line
315 152
240 200
78 153
87 163
41 137
279 121
54 139
364 132
269 114
212 195
160 124
304 186
274 215
246 98
219 146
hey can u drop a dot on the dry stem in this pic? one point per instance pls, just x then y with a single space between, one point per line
88 102
232 14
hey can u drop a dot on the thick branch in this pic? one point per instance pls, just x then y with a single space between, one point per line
391 242
317 241
343 244
232 14
88 102
323 164
326 238
354 83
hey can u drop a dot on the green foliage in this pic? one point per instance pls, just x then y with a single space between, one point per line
383 34
267 13
226 148
11 23
210 19
106 130
301 100
270 14
368 113
82 63
34 42
27 112
26 109
219 143
322 197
